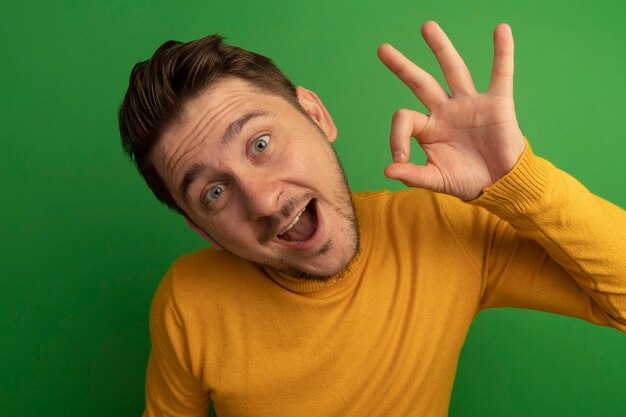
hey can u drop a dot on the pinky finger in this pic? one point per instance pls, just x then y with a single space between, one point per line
503 61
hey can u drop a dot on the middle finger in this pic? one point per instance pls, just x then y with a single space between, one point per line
454 69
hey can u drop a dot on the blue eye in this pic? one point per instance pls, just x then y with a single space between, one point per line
214 193
260 144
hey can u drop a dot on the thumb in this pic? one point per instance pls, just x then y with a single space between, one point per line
421 176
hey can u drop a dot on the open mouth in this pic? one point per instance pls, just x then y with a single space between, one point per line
303 226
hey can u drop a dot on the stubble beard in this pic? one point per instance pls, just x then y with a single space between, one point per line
350 229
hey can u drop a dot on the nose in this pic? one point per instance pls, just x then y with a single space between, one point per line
261 196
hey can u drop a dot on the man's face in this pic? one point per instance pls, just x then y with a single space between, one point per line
260 179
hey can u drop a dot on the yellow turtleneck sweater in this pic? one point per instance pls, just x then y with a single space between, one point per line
384 340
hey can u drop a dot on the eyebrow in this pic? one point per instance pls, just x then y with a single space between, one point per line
233 129
236 126
190 176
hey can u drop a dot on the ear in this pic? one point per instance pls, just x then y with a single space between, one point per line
315 108
201 233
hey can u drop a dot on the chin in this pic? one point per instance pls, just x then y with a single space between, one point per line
324 268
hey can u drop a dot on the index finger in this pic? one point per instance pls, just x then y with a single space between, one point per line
423 85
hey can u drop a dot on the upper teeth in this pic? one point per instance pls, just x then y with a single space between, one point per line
295 220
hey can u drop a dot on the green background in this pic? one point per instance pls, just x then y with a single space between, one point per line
84 243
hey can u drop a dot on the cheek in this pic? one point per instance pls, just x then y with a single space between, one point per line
305 158
321 166
229 229
221 225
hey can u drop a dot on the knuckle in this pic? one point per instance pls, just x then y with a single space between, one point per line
451 69
400 114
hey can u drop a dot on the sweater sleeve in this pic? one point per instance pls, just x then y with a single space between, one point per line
171 389
557 248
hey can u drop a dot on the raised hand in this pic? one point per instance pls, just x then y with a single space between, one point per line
470 139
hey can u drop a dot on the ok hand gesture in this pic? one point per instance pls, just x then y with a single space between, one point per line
470 139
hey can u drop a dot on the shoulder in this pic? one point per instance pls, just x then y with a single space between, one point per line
419 196
206 278
419 215
208 264
411 206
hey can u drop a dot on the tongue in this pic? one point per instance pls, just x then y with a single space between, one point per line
305 227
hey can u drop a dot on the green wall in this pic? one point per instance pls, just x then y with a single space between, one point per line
84 243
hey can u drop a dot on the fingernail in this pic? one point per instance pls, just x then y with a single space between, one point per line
399 156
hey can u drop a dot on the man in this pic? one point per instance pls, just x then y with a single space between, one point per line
317 301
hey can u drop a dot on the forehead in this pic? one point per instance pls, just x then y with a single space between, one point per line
227 97
206 116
